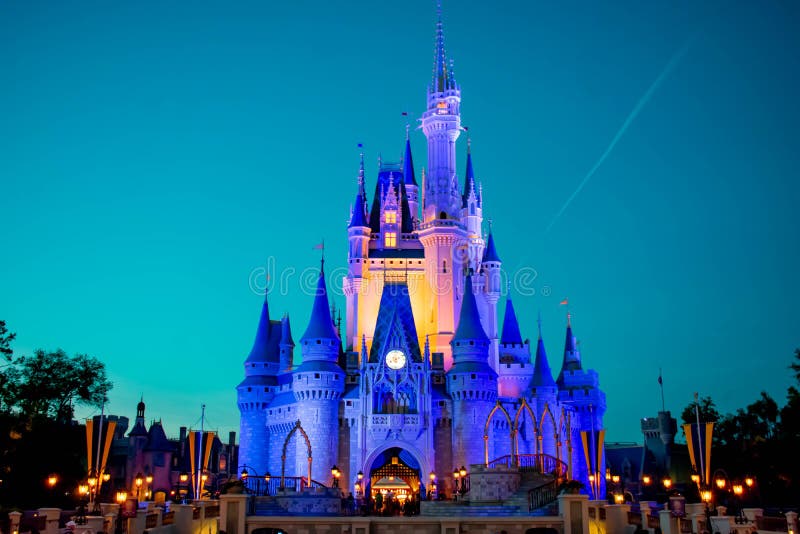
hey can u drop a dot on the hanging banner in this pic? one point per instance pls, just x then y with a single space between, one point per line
202 442
93 428
700 450
593 450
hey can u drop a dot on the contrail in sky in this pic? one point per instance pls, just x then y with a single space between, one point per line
674 60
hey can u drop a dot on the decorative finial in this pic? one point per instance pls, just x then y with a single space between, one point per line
569 318
539 323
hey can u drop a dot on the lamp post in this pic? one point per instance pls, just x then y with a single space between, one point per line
92 481
183 488
122 496
137 482
431 496
335 474
705 496
359 486
52 480
456 474
149 491
463 473
83 494
267 478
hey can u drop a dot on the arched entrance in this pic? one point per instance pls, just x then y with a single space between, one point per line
395 473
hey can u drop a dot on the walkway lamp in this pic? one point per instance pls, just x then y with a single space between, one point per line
183 486
138 481
667 482
335 474
122 496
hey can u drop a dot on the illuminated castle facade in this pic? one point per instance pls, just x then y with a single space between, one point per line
422 376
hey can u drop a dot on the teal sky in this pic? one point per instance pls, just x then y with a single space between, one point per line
153 154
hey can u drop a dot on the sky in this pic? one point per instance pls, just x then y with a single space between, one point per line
638 158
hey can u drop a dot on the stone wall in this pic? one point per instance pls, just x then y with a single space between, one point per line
492 484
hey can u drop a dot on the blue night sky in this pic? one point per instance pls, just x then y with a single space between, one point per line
154 154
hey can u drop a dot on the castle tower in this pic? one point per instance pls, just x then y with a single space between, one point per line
286 346
580 390
441 124
514 357
358 235
256 391
471 382
318 386
543 396
491 269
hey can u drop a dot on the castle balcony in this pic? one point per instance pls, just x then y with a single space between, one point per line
394 421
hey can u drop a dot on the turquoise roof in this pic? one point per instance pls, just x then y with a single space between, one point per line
490 252
320 326
469 322
511 333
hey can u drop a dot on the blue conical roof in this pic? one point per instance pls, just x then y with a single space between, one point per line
469 322
359 218
286 332
261 344
469 180
572 357
511 333
490 252
542 376
408 166
320 326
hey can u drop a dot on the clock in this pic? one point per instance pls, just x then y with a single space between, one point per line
395 359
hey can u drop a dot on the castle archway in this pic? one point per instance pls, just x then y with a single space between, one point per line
397 467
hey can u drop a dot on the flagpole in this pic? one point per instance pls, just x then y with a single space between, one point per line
98 474
199 452
661 385
699 441
596 485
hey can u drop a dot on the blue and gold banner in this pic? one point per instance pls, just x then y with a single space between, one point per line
93 434
699 444
200 441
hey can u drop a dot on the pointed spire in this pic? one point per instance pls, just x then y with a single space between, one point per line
511 334
320 326
469 322
259 351
443 78
359 215
286 332
542 376
572 356
490 252
408 164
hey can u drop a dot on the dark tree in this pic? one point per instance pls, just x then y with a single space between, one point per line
708 411
47 385
6 338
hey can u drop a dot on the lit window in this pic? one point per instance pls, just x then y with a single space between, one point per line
441 108
391 239
391 217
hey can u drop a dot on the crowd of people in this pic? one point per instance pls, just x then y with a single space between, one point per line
381 505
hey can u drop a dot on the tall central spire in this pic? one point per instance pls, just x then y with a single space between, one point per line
441 124
443 78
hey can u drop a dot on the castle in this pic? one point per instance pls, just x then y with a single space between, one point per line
423 379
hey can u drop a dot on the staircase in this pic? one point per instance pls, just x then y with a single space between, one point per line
268 506
515 505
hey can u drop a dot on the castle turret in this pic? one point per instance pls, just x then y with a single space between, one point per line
358 235
286 346
317 387
472 213
579 390
471 382
257 390
514 356
491 270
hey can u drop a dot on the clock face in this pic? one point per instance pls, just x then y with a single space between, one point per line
395 359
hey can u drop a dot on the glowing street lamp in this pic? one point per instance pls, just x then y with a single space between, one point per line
335 474
720 482
695 478
619 498
749 481
667 482
52 480
738 489
138 481
646 480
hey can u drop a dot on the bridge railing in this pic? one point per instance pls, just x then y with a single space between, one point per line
260 486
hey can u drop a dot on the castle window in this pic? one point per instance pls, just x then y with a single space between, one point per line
441 403
316 375
249 390
472 376
390 240
444 266
390 217
348 403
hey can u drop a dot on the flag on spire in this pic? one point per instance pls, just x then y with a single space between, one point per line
564 302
